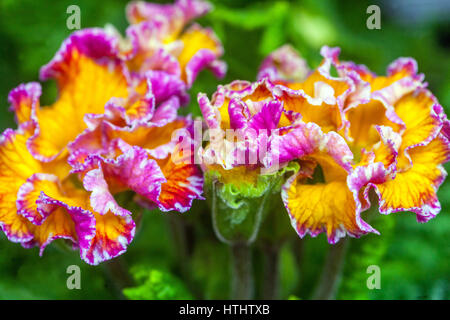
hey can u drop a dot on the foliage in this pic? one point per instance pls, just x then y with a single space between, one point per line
156 285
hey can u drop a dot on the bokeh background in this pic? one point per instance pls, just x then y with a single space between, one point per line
173 257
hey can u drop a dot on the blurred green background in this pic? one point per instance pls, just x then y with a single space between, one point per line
414 259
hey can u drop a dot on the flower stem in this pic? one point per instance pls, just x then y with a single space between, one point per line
271 281
242 279
299 250
118 275
331 274
178 230
299 253
183 243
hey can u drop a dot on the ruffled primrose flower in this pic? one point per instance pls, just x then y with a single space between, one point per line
110 131
40 200
242 119
161 37
117 154
348 134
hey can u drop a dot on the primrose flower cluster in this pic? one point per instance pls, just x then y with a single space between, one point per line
108 134
328 143
339 136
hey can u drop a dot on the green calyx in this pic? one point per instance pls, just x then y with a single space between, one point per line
238 209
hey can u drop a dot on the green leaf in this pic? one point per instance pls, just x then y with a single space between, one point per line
156 285
363 253
273 37
249 18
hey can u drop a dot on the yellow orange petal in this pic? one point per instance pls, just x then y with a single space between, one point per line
16 165
195 39
85 85
421 122
415 188
321 208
